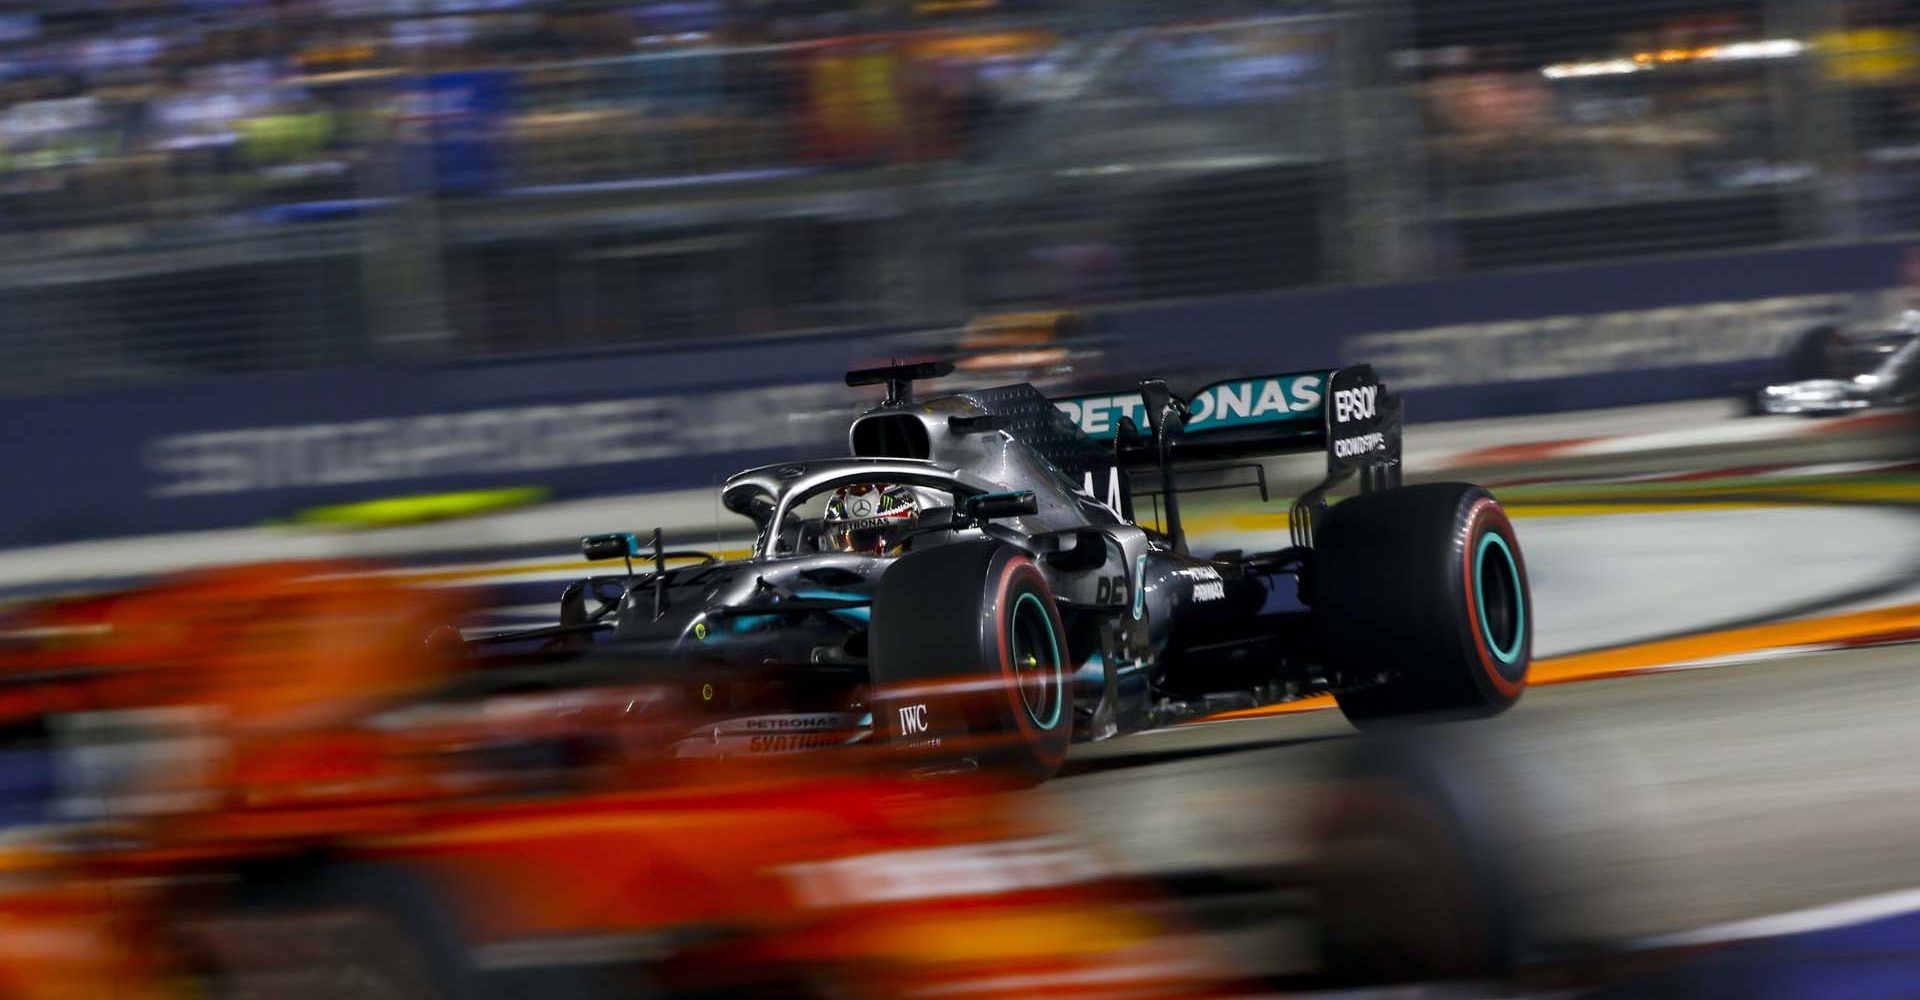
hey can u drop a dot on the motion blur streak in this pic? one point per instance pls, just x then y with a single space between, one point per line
385 613
495 831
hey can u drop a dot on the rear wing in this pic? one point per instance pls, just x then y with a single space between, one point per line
1345 412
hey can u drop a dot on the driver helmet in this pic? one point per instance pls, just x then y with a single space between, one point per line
870 517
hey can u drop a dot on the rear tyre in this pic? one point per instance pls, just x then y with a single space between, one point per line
1421 600
969 661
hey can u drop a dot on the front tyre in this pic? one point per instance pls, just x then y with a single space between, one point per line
1421 600
969 660
1416 863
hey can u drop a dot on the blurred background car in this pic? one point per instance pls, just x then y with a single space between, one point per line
1864 370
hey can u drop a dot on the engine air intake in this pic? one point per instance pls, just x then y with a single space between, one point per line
891 435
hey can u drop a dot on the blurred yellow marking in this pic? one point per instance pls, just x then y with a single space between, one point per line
1255 521
530 569
1310 704
391 511
1905 489
1608 508
996 935
1733 642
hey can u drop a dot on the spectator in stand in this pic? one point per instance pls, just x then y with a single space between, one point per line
1493 133
1874 60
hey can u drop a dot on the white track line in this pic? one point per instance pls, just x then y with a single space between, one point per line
1830 916
1743 658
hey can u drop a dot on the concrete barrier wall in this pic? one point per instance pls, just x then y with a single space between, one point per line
242 450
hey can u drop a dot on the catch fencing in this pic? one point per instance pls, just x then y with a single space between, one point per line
492 182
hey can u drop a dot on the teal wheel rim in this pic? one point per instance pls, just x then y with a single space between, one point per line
1499 598
1038 668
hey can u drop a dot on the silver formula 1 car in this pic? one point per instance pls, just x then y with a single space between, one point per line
1871 370
973 581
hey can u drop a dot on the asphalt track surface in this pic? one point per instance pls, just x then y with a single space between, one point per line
1650 805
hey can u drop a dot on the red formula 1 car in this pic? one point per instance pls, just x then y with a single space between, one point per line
267 785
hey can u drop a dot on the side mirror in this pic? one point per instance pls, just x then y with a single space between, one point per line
988 506
622 545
